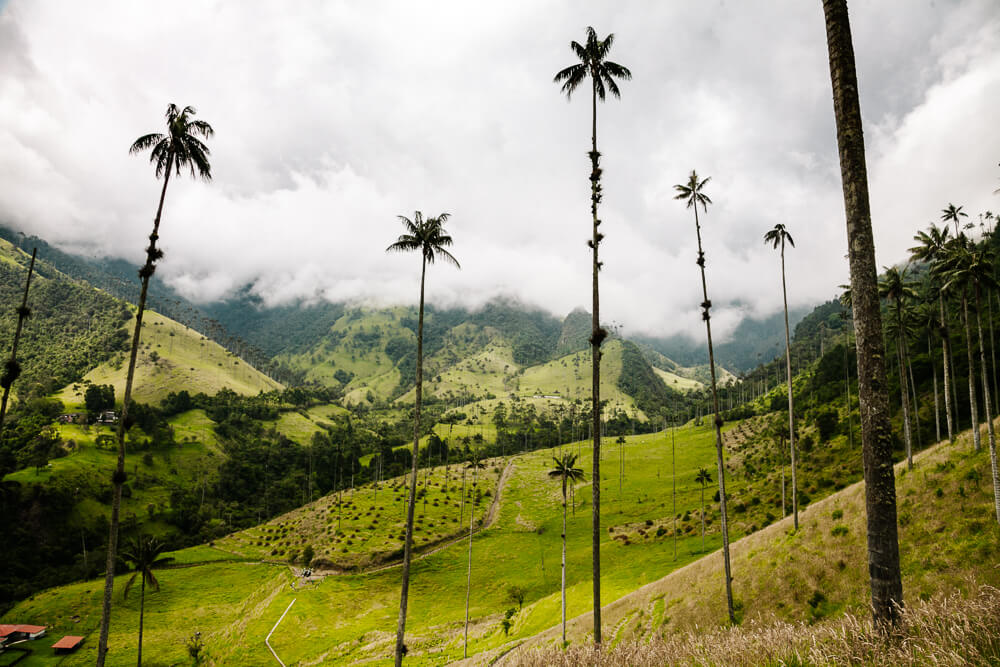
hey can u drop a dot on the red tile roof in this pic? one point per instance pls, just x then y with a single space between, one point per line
68 641
6 630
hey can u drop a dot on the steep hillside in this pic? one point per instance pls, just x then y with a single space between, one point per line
72 327
172 358
949 541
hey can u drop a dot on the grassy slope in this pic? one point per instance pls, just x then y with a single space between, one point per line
186 361
948 540
521 548
88 466
351 617
677 382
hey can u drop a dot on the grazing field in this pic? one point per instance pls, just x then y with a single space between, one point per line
343 616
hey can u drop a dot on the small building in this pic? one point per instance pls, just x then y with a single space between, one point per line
71 418
108 417
67 644
14 633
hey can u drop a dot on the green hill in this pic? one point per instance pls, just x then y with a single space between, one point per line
172 358
349 617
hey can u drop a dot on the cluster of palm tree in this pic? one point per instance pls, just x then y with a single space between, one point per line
960 270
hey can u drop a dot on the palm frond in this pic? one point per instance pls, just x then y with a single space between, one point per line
145 142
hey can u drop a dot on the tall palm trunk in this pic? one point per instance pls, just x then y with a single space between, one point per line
142 611
903 389
791 402
972 374
673 474
119 477
468 575
937 401
408 544
707 305
876 431
986 402
22 314
596 337
913 395
703 517
564 563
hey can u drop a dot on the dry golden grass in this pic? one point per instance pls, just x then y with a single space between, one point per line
945 630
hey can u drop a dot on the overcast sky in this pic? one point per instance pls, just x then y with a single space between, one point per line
332 118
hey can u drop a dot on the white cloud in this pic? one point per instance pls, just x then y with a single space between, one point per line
334 117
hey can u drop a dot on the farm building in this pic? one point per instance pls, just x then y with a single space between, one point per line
13 633
67 644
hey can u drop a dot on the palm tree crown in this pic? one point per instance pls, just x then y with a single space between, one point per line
776 237
144 554
425 235
953 213
593 64
180 147
703 477
564 469
692 192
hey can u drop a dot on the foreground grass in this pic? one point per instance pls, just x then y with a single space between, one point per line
945 630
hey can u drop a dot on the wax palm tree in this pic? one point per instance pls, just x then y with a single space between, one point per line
11 368
565 471
955 267
426 236
143 553
932 249
475 466
704 478
602 74
896 289
777 238
693 192
971 266
953 213
876 432
178 149
927 316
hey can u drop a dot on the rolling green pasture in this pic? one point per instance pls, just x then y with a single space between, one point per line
351 616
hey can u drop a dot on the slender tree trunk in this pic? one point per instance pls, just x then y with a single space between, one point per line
22 313
468 575
937 402
142 611
973 408
993 355
119 477
564 564
876 432
408 544
703 517
791 402
986 386
596 337
947 371
903 389
673 474
913 396
706 306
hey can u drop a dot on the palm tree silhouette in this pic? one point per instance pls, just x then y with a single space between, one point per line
180 147
953 213
932 248
426 236
602 73
876 430
777 238
693 193
896 289
143 553
564 470
704 478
